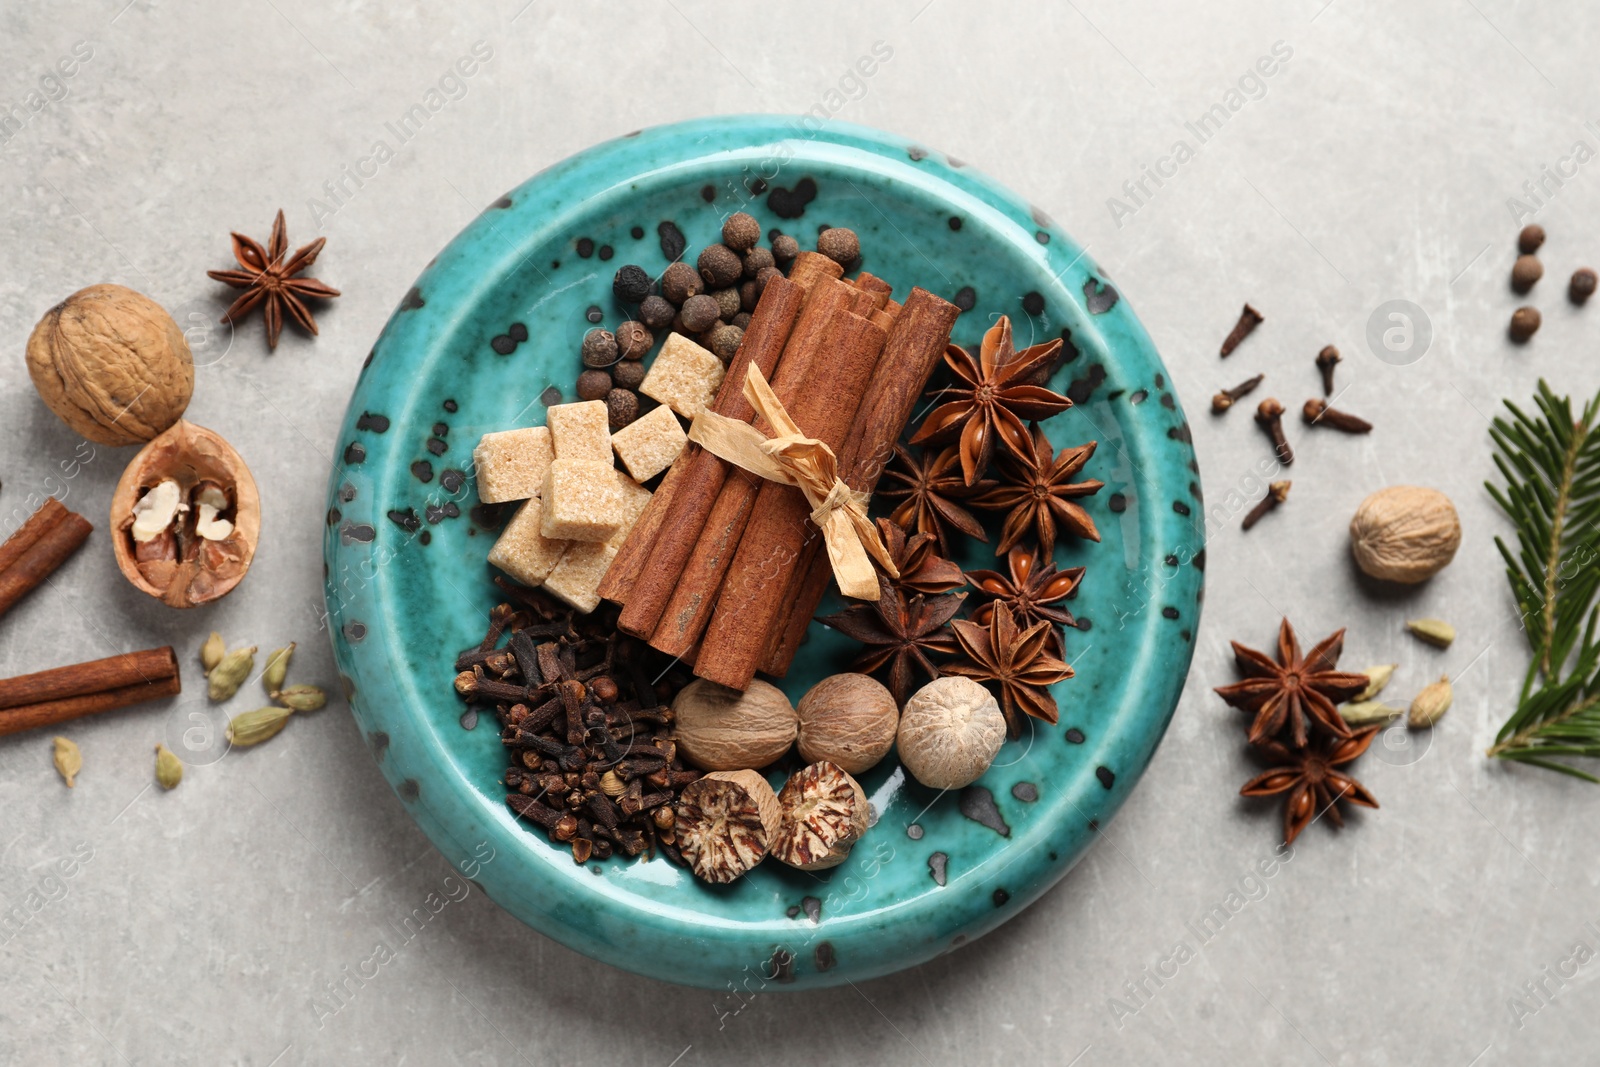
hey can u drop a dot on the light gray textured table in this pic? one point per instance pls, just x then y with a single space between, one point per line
1375 164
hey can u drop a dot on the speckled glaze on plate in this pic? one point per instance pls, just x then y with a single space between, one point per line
407 585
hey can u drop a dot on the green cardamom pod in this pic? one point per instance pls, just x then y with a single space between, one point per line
227 676
169 768
1436 632
69 761
1377 678
1367 712
212 651
301 697
1431 704
277 668
254 727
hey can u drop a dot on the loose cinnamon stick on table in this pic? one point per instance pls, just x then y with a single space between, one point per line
54 696
750 600
40 545
665 544
710 548
909 358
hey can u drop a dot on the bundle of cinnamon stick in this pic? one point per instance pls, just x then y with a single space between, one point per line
725 568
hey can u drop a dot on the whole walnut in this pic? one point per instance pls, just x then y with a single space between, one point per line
848 720
1405 534
722 729
950 731
112 365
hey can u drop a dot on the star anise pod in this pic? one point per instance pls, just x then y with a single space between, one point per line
991 399
1293 689
1039 495
1019 661
270 281
1033 590
900 632
931 485
921 569
1309 776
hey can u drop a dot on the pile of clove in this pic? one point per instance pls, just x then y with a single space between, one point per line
584 717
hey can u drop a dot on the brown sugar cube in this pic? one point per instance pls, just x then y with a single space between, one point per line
648 445
511 464
634 499
522 551
684 376
581 431
576 579
582 501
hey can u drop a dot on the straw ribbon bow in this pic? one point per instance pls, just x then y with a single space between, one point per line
791 458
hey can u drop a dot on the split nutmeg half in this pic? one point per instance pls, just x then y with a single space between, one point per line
726 822
185 517
824 814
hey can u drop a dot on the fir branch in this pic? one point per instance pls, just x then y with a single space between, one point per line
1551 465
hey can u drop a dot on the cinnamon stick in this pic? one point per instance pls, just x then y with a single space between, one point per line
748 606
631 558
709 550
670 539
811 267
40 545
879 288
909 358
54 696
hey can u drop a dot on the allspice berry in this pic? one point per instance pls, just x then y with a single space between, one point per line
840 245
722 729
725 342
656 312
727 303
634 340
631 284
599 348
1525 272
720 266
1531 237
1405 534
784 249
629 374
756 259
849 720
622 407
593 385
700 313
1582 286
112 365
741 231
1524 324
950 732
678 283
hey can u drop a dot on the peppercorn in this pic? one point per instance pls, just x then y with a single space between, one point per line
622 407
741 320
725 342
840 245
593 384
785 248
740 232
757 258
629 374
1531 237
728 304
631 284
700 313
1525 272
720 266
680 281
749 295
1581 288
1524 324
599 348
655 312
633 340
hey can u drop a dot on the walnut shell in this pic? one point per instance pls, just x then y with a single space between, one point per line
722 729
1405 534
824 814
849 720
950 731
725 823
193 560
112 365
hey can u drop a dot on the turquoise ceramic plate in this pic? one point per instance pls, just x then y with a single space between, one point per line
407 585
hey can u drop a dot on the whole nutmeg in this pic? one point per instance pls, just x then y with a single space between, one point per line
950 731
1405 534
824 813
112 365
185 517
722 729
849 720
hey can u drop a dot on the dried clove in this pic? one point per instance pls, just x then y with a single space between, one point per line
1249 319
1277 493
1269 416
1318 413
1327 359
1224 400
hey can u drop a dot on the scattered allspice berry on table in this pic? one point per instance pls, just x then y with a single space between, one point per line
1525 273
1531 237
1582 286
1524 324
